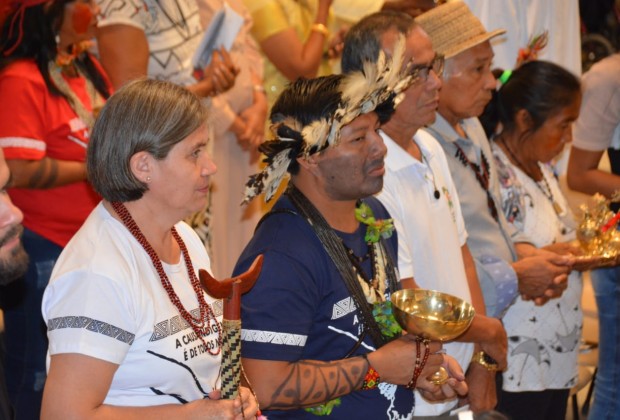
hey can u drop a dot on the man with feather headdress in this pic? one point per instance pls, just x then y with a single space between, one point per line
318 337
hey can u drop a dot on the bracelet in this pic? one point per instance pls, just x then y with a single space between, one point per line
372 378
485 360
420 361
320 28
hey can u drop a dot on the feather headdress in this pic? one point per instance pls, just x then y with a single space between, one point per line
361 92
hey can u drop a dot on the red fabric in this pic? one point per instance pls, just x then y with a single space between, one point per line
35 124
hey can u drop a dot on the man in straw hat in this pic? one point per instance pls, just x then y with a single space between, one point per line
419 193
499 251
318 336
506 263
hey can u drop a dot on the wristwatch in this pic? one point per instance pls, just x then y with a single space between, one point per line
485 360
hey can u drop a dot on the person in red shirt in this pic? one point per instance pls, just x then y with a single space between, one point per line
50 90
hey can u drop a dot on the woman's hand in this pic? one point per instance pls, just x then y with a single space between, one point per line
336 43
243 407
564 248
221 72
254 118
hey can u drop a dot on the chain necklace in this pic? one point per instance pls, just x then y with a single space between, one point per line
482 176
547 192
198 325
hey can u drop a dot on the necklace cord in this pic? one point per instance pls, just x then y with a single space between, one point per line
482 176
548 193
337 252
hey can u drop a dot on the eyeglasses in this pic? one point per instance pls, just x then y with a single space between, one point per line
421 72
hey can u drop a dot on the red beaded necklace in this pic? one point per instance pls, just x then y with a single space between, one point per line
199 325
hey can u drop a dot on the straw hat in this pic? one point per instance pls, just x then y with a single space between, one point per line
453 28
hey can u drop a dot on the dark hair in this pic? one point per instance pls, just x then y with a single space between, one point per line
144 115
363 41
305 101
38 42
539 87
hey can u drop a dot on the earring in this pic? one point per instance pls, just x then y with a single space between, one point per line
148 179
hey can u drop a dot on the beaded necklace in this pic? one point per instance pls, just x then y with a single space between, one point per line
198 325
96 100
482 176
374 286
547 193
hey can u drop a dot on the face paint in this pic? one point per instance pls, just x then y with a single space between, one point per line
82 17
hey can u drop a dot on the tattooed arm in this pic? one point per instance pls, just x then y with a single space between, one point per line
45 173
281 385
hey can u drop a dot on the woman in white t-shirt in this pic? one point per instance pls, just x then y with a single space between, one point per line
131 332
535 109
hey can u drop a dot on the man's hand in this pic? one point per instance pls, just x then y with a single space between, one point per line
482 395
456 385
396 360
495 344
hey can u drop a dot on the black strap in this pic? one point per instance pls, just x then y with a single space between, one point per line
337 252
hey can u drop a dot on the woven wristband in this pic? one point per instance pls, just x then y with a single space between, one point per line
372 378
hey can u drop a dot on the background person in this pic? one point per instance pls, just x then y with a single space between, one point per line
296 39
596 131
506 263
237 118
535 109
146 330
158 39
51 89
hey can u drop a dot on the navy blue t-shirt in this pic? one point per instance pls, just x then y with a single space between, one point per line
300 309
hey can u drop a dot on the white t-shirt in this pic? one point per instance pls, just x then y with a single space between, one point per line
543 340
430 231
105 300
598 125
172 29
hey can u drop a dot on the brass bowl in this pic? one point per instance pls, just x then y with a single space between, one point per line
431 314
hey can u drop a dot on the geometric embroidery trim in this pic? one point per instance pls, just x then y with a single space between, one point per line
177 324
91 325
273 337
343 307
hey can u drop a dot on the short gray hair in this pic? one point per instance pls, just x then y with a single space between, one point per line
144 115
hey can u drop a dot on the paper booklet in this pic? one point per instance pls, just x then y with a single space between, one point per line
221 32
